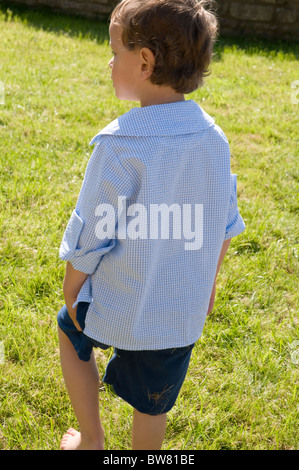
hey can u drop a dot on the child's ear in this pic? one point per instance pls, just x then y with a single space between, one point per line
147 62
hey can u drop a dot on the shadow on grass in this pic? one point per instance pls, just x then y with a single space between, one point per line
76 26
256 46
61 23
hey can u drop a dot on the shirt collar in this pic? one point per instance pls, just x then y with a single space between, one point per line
170 119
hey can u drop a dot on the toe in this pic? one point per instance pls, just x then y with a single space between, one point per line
72 431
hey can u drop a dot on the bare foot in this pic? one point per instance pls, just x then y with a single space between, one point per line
72 441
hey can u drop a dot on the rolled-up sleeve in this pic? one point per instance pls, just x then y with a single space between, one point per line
87 258
105 179
235 224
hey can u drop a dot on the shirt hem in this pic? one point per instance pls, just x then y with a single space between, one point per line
145 345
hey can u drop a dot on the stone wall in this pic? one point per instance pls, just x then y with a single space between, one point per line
265 18
97 9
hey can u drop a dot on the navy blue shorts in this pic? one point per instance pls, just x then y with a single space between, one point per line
150 381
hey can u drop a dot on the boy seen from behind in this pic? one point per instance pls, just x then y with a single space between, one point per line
152 224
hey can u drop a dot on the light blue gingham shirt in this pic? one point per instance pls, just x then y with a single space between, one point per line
151 292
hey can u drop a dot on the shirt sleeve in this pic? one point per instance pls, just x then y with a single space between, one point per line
235 224
105 179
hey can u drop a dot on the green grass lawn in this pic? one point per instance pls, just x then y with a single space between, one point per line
242 388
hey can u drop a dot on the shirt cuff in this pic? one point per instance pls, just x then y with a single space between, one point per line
235 224
235 228
82 259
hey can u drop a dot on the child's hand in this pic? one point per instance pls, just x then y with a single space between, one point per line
212 299
72 312
73 281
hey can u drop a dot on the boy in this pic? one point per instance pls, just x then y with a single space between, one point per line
131 283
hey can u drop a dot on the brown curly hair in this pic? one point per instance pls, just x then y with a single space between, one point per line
180 33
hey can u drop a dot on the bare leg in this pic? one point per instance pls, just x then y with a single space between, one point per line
82 382
148 431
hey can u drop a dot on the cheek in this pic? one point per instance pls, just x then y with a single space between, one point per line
113 73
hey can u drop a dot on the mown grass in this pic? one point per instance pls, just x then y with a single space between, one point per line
242 388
